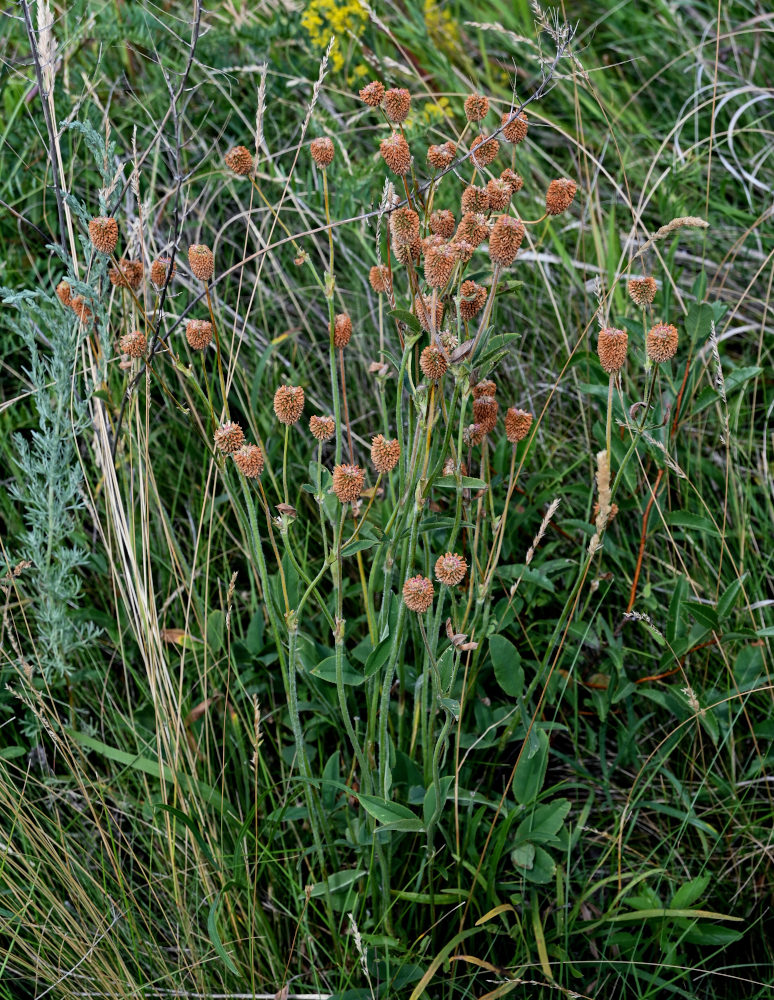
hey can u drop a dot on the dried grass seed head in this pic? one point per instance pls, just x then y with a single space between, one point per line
418 594
433 363
642 291
384 453
201 261
474 199
249 460
348 482
505 240
611 348
342 330
661 342
483 150
103 233
198 333
229 437
476 107
514 130
396 153
372 94
159 270
472 299
288 403
517 424
442 156
322 428
404 226
442 223
450 569
379 278
439 265
498 193
559 195
322 151
397 104
239 160
134 344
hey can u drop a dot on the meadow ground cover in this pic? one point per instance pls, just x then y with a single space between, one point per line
386 397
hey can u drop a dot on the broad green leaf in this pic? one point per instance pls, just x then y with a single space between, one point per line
544 823
392 815
543 868
690 892
531 771
523 856
378 657
699 525
507 665
468 483
216 626
338 881
359 545
406 317
326 671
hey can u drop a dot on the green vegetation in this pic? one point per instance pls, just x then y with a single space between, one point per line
237 756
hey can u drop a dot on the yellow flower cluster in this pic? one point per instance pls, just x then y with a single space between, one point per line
441 27
340 18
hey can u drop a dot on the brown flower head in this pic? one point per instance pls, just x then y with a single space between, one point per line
384 453
661 342
288 403
472 229
439 265
423 307
103 233
442 223
408 251
463 249
474 434
512 179
505 240
396 153
198 333
372 94
483 150
431 242
348 482
611 348
474 199
517 424
476 107
404 226
441 157
229 437
322 151
240 160
472 299
560 195
128 274
342 330
249 460
484 388
450 470
201 261
160 269
64 293
322 428
485 412
80 308
379 277
516 129
397 104
499 192
642 291
433 363
450 569
418 594
134 344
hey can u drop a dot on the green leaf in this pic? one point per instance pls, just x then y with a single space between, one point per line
392 815
729 598
407 318
467 483
690 892
507 665
682 519
216 626
212 930
326 671
428 805
523 856
338 882
543 868
359 545
703 613
544 823
378 656
9 753
674 620
531 771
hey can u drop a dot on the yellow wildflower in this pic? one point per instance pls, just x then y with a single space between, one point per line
341 18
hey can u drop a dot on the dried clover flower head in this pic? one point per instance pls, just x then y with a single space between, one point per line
517 424
397 104
441 157
474 434
472 229
160 269
433 363
439 265
128 274
611 348
134 344
431 242
476 107
505 240
198 333
450 569
463 249
80 308
379 278
429 318
442 223
396 153
288 403
499 193
559 196
642 291
418 594
103 233
449 341
342 330
404 226
240 160
229 437
64 293
474 199
661 342
201 261
322 151
322 428
348 482
249 460
485 412
408 251
372 94
484 388
472 299
449 469
384 453
511 178
483 150
515 130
